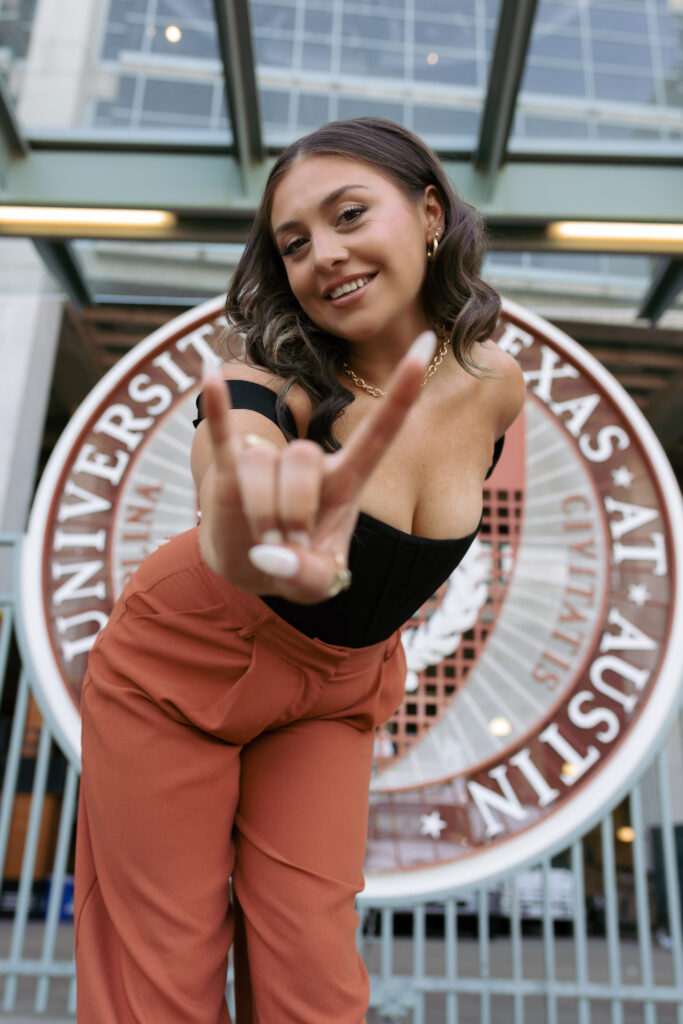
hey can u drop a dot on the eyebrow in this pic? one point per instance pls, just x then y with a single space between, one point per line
327 201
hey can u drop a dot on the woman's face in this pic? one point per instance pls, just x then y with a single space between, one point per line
353 246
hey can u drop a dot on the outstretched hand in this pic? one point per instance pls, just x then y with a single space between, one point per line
278 519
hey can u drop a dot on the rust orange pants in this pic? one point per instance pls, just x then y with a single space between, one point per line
220 743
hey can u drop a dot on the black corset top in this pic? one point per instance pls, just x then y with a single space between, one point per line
393 572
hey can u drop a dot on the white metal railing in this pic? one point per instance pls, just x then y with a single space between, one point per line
450 977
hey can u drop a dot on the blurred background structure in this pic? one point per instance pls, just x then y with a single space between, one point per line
545 112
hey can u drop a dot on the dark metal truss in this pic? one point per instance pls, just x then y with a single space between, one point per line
509 56
59 258
237 53
10 131
664 288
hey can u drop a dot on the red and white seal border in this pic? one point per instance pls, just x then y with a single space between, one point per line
553 832
609 786
53 699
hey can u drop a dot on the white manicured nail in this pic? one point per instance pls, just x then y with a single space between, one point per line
274 560
272 537
423 347
300 538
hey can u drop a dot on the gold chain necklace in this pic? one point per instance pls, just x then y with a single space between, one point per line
377 392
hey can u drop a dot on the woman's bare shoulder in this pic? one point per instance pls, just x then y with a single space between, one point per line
504 383
298 401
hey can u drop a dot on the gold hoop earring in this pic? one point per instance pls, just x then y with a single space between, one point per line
432 247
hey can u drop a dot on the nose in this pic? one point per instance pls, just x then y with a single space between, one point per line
328 249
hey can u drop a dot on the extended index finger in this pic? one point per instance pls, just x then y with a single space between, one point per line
371 438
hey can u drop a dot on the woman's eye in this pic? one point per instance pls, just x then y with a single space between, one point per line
351 213
293 246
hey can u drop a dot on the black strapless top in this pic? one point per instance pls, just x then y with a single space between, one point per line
393 572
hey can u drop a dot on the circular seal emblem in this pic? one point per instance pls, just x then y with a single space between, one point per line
542 674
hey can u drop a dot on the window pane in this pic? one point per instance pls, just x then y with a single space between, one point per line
466 7
555 127
626 54
318 21
370 108
121 65
629 21
313 110
15 27
439 124
275 52
593 57
565 47
625 88
393 56
194 42
173 9
317 57
272 17
360 60
274 106
176 97
358 29
448 70
557 15
555 81
446 33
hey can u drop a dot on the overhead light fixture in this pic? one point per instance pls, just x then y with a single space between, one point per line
609 231
173 34
90 217
500 726
626 834
432 58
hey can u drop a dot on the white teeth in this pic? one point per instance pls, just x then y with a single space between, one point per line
350 286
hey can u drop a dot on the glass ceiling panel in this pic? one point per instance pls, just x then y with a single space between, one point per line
424 65
138 70
608 287
572 285
605 72
180 273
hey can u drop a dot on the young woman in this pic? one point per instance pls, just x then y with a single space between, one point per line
230 704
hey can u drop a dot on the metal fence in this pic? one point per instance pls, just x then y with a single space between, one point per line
616 959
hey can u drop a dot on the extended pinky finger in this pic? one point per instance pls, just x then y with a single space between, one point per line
216 406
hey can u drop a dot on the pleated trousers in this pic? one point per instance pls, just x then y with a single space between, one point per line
220 743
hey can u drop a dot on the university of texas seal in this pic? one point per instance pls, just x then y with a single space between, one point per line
541 674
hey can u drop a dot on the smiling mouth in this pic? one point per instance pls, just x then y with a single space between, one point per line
349 286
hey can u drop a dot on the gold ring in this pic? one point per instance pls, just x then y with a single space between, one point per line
342 576
256 441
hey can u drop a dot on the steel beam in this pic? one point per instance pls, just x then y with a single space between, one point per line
10 130
664 288
59 258
237 53
507 64
13 145
205 190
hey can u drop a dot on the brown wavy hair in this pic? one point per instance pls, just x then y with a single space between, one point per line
280 337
